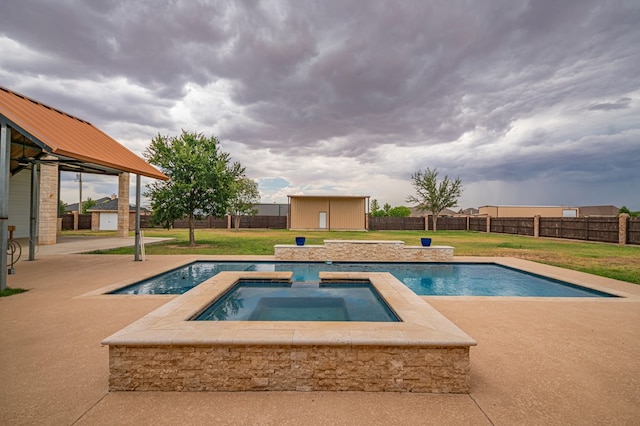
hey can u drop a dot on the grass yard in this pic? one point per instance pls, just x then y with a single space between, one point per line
607 260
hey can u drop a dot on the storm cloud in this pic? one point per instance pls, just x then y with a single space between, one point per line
529 102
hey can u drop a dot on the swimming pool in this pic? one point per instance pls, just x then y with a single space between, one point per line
425 279
285 301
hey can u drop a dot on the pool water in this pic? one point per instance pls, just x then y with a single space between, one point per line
425 279
259 301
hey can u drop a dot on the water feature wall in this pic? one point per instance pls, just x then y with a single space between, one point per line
363 250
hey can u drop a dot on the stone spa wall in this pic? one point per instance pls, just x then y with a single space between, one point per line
289 368
364 250
166 351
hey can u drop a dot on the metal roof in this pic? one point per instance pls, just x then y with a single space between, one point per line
328 196
38 129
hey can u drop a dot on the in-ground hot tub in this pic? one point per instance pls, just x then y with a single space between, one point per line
167 350
282 300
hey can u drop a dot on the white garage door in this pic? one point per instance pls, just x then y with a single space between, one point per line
108 221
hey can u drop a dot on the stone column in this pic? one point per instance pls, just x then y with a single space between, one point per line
123 205
488 224
48 204
536 226
623 220
95 221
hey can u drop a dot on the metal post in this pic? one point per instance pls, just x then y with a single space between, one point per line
33 213
5 158
79 177
137 239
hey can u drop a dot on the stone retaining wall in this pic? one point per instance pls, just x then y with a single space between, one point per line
289 368
364 250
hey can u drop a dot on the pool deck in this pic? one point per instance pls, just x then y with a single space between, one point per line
538 361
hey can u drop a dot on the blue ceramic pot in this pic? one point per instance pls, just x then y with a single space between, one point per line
426 242
300 241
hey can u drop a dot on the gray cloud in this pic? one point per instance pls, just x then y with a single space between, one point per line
493 91
622 103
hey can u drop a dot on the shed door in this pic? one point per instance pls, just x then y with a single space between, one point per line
322 220
108 221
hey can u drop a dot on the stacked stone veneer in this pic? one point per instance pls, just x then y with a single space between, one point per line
48 203
364 250
290 368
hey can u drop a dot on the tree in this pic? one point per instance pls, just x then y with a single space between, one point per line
62 207
86 205
245 197
200 181
625 209
387 210
375 208
433 196
400 211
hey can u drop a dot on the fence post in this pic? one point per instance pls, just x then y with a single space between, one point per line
228 221
623 220
536 226
468 220
426 222
488 224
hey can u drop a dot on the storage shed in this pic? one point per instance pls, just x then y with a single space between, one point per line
328 212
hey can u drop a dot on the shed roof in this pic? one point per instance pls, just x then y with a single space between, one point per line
328 196
38 129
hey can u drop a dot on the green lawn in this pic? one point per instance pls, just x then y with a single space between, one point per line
608 260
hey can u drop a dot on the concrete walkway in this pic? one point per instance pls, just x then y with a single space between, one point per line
538 362
82 244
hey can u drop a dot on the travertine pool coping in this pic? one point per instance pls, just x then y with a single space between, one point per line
421 324
582 279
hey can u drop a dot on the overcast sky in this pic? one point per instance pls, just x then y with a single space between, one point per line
528 102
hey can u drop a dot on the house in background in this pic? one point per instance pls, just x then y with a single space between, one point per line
470 212
547 211
104 215
328 212
69 208
265 209
416 212
528 211
598 211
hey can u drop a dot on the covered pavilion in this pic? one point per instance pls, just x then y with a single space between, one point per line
43 141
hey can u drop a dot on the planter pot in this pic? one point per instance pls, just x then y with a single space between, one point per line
300 241
426 242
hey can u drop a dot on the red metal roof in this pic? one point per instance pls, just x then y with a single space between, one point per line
68 136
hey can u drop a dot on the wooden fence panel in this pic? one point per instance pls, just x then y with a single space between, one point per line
449 223
396 223
633 230
478 224
262 222
580 228
84 221
512 225
206 223
603 229
67 222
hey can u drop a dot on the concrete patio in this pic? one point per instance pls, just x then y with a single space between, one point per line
554 361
